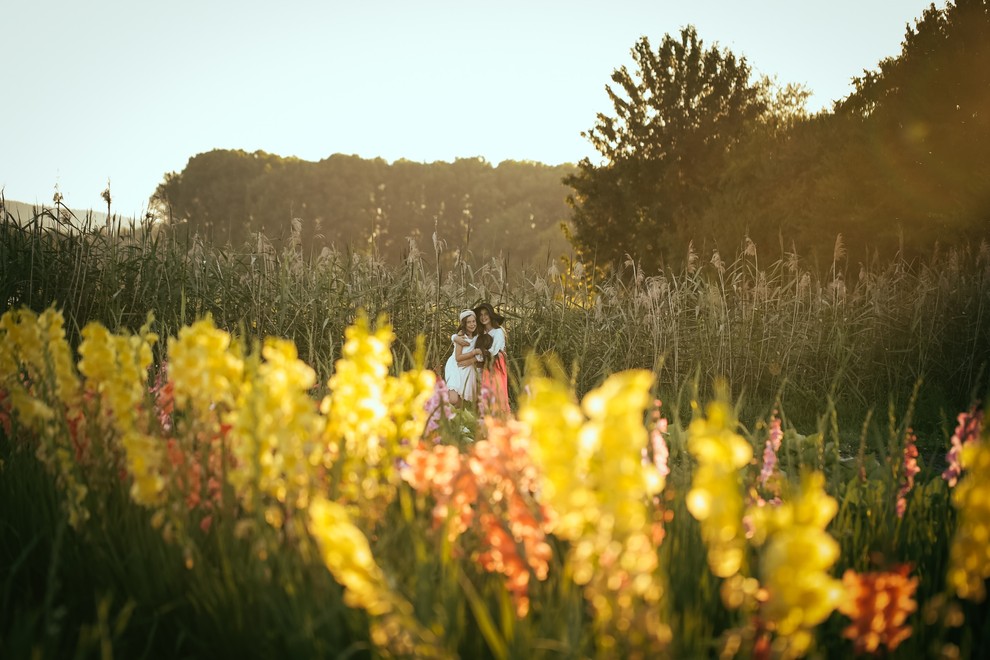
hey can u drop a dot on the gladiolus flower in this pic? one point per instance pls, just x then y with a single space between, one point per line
879 605
795 563
714 499
967 431
909 470
770 451
969 561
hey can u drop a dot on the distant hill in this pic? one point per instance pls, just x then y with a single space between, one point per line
23 213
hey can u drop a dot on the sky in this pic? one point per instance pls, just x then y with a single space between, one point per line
125 91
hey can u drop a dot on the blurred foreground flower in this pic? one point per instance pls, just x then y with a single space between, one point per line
346 553
116 367
714 499
42 391
909 470
879 605
373 419
969 560
490 490
795 562
594 478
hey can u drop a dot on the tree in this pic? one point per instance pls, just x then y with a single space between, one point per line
920 128
677 117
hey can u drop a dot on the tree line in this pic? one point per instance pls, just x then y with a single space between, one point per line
698 152
512 210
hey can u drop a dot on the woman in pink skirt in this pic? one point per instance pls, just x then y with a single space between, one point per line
495 375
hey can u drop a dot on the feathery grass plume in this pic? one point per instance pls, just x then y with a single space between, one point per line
879 604
969 562
116 367
595 480
345 551
796 555
43 391
715 500
373 419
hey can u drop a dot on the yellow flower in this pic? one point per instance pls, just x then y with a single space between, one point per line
346 553
23 332
795 564
116 366
67 386
373 419
969 561
35 345
275 429
205 367
715 499
595 479
555 422
98 361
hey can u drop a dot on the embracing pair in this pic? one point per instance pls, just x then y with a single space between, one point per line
477 365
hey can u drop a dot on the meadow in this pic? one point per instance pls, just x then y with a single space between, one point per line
216 452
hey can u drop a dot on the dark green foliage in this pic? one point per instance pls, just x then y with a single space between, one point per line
677 117
468 206
895 168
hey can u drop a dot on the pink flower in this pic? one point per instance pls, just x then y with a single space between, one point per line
436 406
770 451
910 470
968 430
162 391
658 446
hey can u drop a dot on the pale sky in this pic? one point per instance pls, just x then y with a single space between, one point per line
128 90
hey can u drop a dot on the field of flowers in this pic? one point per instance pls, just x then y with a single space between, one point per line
209 492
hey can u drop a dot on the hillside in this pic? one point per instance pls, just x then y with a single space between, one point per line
22 212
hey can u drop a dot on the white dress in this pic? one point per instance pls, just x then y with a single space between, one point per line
460 378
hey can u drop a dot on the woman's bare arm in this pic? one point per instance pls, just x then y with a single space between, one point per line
465 358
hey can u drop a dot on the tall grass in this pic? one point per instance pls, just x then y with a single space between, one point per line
862 334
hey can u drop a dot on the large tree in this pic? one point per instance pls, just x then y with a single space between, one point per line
919 129
678 114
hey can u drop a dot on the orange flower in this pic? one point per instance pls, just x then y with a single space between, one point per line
491 490
878 604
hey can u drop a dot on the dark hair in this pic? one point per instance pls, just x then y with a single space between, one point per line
496 319
484 343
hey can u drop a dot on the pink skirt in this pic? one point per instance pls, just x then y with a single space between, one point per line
495 380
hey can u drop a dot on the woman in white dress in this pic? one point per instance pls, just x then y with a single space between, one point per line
459 372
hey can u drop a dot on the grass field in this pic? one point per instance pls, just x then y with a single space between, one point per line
215 452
